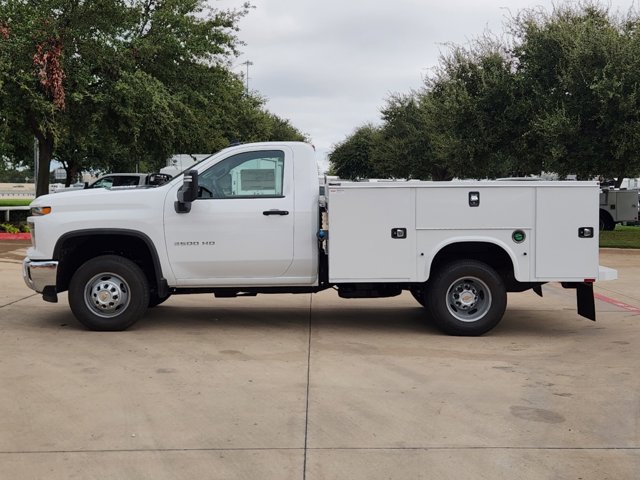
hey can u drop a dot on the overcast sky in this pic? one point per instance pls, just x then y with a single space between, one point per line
328 66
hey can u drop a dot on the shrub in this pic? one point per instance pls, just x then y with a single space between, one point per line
7 227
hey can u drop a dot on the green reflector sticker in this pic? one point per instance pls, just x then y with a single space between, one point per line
518 236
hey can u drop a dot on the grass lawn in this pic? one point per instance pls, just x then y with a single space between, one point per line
621 237
12 202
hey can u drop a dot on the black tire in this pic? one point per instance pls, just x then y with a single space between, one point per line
606 222
108 293
466 297
155 300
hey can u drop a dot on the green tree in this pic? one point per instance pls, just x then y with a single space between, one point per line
466 122
352 158
115 84
476 112
39 47
560 94
12 173
404 146
581 66
276 128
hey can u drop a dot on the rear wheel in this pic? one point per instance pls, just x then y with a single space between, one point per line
108 293
466 297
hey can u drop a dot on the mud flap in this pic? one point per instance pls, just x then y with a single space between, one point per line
538 290
586 303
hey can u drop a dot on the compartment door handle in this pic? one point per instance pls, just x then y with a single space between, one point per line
275 212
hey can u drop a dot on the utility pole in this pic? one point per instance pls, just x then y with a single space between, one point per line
248 63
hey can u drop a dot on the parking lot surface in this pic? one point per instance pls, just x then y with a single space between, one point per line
315 387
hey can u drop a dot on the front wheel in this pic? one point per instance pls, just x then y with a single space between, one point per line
108 293
466 297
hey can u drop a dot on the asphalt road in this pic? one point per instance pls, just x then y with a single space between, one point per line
315 387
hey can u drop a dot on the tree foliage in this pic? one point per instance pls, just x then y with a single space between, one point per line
402 151
559 94
472 111
115 84
351 159
581 67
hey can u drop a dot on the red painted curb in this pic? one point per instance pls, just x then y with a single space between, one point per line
617 303
15 236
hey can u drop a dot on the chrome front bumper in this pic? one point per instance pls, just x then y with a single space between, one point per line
39 274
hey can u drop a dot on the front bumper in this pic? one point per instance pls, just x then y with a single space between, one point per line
39 274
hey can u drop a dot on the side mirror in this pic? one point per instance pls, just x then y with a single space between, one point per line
188 192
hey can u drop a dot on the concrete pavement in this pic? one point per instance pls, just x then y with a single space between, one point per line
315 387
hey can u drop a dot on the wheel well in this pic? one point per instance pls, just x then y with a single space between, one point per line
489 253
73 250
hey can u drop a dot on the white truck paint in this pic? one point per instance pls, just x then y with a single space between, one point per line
618 206
248 220
438 214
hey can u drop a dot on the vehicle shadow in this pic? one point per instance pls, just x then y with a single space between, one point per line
401 319
179 318
410 319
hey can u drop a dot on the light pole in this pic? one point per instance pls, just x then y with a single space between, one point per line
248 63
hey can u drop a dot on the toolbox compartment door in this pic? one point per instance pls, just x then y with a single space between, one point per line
561 253
371 234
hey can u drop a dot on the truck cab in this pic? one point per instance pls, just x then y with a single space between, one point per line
252 222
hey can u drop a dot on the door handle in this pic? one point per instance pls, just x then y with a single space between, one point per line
275 212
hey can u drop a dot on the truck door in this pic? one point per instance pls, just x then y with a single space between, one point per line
241 227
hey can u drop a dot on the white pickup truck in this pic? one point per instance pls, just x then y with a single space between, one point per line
250 220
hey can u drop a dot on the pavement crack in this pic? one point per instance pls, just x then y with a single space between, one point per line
19 300
475 447
148 450
317 449
306 412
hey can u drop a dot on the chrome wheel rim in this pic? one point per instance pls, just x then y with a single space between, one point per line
107 295
468 299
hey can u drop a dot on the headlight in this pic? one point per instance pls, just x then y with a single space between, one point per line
39 211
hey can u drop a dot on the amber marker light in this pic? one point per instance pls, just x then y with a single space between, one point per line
39 211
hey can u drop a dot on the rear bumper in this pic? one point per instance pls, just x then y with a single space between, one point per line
39 274
606 273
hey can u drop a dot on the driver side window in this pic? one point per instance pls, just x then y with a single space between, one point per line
246 175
